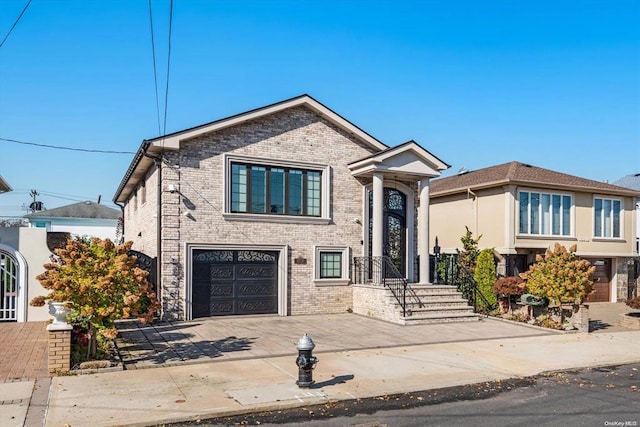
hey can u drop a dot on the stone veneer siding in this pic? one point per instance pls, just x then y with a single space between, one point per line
376 302
296 134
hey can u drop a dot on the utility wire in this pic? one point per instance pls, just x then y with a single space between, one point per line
162 126
166 91
155 70
15 23
86 150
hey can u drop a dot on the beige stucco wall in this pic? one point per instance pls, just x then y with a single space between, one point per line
28 246
482 211
487 215
493 213
194 214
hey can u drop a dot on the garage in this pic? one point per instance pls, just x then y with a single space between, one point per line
234 282
601 279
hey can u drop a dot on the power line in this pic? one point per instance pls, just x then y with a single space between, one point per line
166 91
155 70
86 150
162 127
15 23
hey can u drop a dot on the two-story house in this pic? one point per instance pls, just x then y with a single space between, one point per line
520 210
265 211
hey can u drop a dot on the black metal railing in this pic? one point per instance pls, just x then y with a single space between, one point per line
381 271
450 273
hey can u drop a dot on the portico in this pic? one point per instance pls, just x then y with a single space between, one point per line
395 181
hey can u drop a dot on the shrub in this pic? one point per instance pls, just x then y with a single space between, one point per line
101 282
560 276
510 285
485 277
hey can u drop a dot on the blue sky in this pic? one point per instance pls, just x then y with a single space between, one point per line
552 83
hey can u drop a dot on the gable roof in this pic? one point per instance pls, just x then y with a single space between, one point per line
142 162
521 174
408 159
86 209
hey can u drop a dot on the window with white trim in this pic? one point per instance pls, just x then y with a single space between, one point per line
544 214
262 189
331 265
607 214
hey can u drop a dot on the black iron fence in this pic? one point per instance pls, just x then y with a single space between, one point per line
447 271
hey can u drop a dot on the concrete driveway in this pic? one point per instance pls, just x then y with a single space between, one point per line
253 337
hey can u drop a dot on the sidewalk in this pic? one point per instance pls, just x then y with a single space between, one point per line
145 397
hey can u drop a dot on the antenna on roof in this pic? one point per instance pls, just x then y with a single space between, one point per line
35 205
99 197
462 171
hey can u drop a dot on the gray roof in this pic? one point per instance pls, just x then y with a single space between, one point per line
629 181
86 209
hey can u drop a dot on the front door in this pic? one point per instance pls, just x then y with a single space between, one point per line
602 280
395 227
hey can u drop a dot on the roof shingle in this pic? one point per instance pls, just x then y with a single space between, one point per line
520 173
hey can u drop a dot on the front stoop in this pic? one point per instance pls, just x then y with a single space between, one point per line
435 304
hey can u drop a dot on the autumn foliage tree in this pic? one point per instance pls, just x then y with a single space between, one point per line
101 282
560 276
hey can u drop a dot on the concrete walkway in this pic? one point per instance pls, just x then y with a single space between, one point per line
145 397
24 376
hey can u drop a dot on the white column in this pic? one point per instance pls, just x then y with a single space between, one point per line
378 214
423 230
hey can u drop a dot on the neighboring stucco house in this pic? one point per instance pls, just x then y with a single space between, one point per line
23 254
521 210
25 250
265 212
80 219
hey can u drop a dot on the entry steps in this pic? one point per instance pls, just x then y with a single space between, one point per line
428 303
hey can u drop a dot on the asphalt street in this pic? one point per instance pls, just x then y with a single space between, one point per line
603 396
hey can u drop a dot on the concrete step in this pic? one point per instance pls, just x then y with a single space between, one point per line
434 304
444 311
423 319
443 303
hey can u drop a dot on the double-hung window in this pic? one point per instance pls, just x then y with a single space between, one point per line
606 217
544 214
275 190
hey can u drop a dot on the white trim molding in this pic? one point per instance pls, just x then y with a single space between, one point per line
344 266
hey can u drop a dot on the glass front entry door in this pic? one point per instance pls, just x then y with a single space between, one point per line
394 229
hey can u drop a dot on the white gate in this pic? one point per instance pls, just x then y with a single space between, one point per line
8 288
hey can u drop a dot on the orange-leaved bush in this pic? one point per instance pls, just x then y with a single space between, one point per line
560 276
101 282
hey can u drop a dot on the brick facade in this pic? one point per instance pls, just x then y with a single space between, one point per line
194 213
59 351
